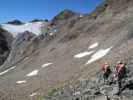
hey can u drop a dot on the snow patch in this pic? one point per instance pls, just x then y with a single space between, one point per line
26 58
46 65
93 45
98 55
81 16
33 94
21 82
4 72
77 93
33 73
51 34
31 27
83 54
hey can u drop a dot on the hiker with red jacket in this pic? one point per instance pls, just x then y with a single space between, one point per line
106 71
120 72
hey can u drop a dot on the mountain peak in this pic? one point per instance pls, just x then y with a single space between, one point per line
67 11
15 22
64 15
39 20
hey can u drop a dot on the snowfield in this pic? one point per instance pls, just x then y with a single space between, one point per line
93 46
98 55
83 54
31 27
33 73
6 71
33 94
21 82
46 65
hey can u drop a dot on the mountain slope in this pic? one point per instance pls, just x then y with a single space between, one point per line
75 52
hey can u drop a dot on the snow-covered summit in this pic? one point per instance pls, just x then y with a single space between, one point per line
34 27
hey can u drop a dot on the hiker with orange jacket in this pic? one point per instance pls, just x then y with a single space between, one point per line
120 72
106 71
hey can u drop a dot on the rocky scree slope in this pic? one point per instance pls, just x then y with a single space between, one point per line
93 89
81 45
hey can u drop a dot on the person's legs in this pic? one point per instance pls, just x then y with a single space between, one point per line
119 84
105 77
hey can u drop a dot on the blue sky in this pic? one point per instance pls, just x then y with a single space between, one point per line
26 10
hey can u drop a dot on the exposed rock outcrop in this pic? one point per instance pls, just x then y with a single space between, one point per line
5 45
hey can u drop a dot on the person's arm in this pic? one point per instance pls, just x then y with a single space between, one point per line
102 68
126 66
127 69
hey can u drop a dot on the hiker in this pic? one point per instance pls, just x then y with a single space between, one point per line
106 71
120 73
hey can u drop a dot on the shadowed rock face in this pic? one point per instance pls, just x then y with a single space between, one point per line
5 44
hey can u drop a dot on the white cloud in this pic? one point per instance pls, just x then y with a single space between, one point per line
31 27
